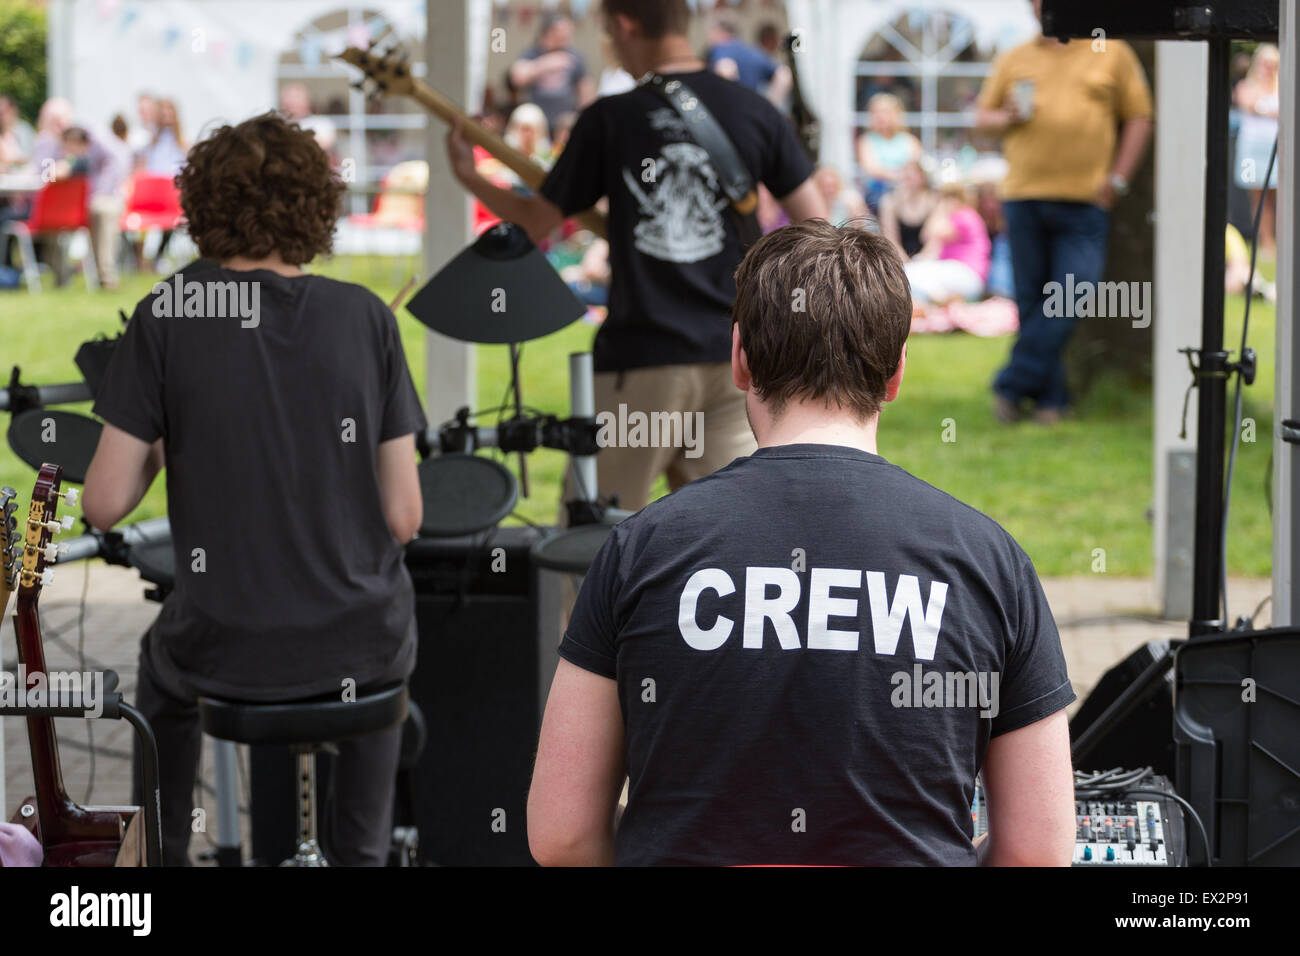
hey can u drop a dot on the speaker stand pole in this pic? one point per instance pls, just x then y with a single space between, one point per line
1212 369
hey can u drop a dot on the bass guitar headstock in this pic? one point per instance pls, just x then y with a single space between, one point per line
386 72
43 523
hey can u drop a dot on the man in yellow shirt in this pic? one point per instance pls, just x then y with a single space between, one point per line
1075 119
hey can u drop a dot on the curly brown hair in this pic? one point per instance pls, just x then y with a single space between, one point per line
262 186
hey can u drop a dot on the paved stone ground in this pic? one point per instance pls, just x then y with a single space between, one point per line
1101 620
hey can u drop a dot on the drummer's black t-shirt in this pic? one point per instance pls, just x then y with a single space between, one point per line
804 643
673 252
288 579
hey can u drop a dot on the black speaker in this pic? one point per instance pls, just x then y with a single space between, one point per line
480 680
1160 19
1144 738
1238 749
486 658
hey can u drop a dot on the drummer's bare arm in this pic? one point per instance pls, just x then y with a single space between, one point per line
578 775
120 473
535 215
399 487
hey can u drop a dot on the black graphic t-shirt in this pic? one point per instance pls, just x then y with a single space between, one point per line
673 250
804 643
288 579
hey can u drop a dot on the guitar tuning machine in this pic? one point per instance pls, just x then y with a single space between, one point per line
70 497
47 577
51 553
63 524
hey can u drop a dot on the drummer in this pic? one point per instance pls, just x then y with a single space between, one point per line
289 438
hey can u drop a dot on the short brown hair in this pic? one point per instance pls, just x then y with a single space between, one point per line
823 313
658 18
262 186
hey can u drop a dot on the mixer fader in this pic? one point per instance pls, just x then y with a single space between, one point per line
1115 831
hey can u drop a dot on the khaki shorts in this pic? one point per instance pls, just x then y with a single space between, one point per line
644 439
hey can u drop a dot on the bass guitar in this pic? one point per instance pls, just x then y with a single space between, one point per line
71 835
391 73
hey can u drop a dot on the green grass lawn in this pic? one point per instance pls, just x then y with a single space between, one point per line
1062 492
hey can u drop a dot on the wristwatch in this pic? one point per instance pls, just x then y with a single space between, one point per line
1118 183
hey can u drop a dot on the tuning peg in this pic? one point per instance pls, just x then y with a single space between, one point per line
70 497
47 577
63 524
51 553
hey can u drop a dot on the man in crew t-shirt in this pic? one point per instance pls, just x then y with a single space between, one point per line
673 249
808 656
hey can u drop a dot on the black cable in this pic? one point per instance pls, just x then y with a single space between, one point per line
81 658
112 753
525 519
1241 355
1196 817
1108 781
1091 620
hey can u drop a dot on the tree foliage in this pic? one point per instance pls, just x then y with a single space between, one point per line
22 55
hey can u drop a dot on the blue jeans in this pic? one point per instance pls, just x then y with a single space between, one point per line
1048 241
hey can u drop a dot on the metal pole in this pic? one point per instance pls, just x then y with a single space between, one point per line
582 404
1286 399
1212 404
227 787
63 394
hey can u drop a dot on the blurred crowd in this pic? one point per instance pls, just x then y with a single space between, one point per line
111 163
946 218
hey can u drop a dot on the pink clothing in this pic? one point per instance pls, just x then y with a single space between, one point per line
18 847
971 245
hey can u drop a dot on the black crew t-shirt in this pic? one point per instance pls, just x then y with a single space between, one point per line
288 579
673 250
804 644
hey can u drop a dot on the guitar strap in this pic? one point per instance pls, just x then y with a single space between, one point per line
737 183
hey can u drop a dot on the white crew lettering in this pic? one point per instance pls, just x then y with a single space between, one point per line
887 618
712 638
759 607
822 606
